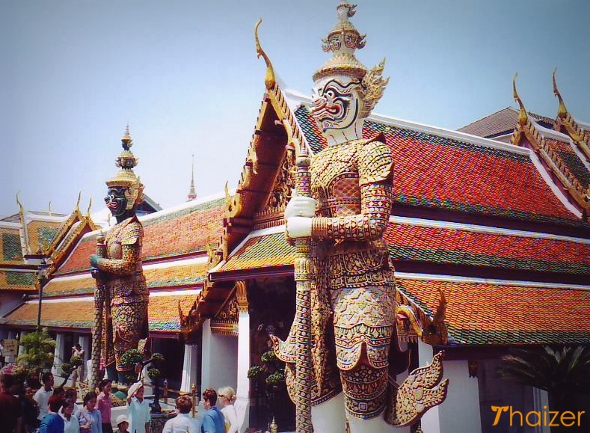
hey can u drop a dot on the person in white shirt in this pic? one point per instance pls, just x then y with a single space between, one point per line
71 423
182 422
227 397
138 409
42 395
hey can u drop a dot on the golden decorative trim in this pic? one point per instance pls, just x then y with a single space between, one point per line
549 156
241 296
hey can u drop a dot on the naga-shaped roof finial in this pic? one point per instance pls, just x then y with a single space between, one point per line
561 111
522 116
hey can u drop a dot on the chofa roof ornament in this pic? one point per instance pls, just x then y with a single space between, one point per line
343 41
126 177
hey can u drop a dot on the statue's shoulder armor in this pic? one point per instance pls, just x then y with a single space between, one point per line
132 233
375 161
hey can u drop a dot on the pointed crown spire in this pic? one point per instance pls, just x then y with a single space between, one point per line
126 177
343 40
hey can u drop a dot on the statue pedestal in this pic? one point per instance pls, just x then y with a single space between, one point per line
157 422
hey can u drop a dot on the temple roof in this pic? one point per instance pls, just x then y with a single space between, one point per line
460 173
502 122
174 233
430 242
502 312
78 312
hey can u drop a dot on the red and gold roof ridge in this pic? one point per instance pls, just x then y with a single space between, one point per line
554 150
565 122
182 231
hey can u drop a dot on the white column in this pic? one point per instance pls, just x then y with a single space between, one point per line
189 367
460 412
59 349
541 403
242 392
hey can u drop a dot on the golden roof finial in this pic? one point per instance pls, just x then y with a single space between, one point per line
21 214
522 116
269 78
77 208
89 207
561 111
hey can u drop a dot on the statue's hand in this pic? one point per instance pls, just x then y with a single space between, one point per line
300 206
298 227
94 260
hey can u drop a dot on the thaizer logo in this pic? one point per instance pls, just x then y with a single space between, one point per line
537 418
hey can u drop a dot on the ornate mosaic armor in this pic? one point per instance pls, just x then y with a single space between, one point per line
125 322
352 182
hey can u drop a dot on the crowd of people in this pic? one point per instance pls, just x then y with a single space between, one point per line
55 410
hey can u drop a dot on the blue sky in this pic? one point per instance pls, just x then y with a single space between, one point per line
185 76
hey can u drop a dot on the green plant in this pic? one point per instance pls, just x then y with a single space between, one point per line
154 373
39 351
131 357
254 371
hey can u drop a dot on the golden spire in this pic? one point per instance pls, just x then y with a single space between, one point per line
522 116
561 111
192 194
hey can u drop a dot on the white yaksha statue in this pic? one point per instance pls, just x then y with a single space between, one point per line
353 304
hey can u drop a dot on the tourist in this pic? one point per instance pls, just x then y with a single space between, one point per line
71 423
89 417
213 421
72 394
182 422
104 405
52 422
122 424
29 411
77 373
138 409
227 397
44 393
9 406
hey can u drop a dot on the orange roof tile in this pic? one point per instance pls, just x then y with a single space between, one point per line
179 275
79 314
492 313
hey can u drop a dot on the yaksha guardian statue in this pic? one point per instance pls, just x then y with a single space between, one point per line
121 285
353 297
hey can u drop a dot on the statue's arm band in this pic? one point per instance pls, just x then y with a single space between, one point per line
370 224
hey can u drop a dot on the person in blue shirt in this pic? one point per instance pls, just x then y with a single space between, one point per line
213 420
52 422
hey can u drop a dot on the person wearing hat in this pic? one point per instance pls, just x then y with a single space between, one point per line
122 423
182 422
138 409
